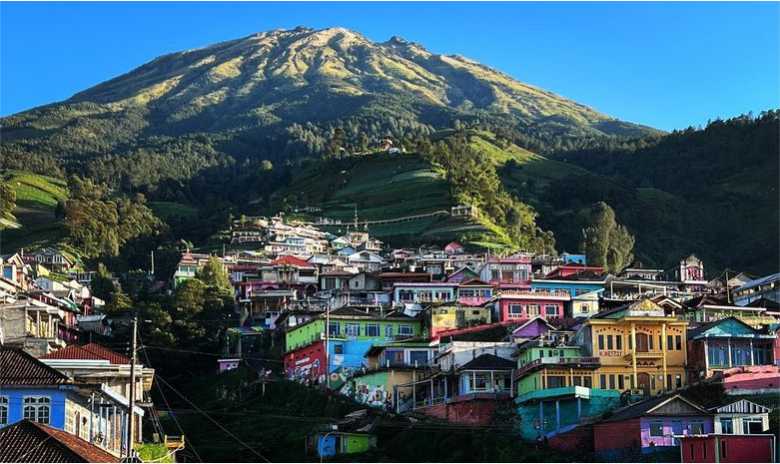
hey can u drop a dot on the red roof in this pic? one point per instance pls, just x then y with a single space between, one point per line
88 351
20 368
290 261
27 441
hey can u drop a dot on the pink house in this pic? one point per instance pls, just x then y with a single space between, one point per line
454 248
525 305
474 292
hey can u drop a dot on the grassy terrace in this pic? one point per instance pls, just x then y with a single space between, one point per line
36 200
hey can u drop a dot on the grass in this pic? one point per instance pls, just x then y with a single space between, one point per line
168 209
36 200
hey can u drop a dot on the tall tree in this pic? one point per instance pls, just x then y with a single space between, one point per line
605 242
214 274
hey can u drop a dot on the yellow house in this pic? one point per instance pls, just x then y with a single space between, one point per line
449 317
639 346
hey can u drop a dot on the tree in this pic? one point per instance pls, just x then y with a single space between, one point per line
605 242
7 199
190 296
102 285
118 303
214 274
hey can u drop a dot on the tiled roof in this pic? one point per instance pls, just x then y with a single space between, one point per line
88 351
290 261
488 362
28 441
20 368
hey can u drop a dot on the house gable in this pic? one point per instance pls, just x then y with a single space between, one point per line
677 406
730 327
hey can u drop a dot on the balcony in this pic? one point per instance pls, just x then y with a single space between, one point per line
579 362
644 355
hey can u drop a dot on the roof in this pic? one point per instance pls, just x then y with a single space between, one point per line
760 281
27 441
742 406
474 282
20 368
488 362
707 300
647 407
693 333
764 302
88 351
288 260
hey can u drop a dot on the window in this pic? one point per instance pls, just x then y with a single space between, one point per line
37 408
584 308
669 342
650 342
656 429
611 382
533 310
551 310
621 385
372 330
727 426
619 342
678 381
678 342
609 342
577 381
388 331
352 330
587 382
334 329
3 410
660 342
475 312
555 381
601 342
603 382
515 309
338 349
630 343
418 358
668 381
696 428
752 425
723 449
479 381
404 329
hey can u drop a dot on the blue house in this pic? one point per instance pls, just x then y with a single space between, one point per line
573 285
29 389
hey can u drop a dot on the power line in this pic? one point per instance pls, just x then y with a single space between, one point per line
165 401
214 421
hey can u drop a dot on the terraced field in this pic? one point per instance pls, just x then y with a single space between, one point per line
36 200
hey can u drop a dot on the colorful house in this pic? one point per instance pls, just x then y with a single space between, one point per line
449 317
726 343
707 308
574 284
424 293
521 306
639 347
29 389
474 292
650 426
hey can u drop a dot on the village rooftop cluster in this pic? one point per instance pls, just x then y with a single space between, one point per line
586 359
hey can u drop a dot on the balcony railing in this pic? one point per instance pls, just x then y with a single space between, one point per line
645 355
580 361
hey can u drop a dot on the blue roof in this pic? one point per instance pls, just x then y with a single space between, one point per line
760 281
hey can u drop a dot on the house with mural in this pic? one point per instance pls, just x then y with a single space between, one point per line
650 426
727 343
639 347
351 333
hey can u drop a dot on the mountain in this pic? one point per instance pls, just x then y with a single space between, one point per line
279 94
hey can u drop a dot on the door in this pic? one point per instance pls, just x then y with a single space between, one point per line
643 379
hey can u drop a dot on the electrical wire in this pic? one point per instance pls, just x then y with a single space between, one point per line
214 421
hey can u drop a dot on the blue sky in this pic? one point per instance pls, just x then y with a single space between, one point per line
667 65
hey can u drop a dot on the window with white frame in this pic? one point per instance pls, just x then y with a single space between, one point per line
551 310
352 330
533 310
389 330
404 329
372 330
3 410
515 309
37 408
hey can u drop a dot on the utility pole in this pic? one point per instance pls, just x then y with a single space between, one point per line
327 346
152 263
131 425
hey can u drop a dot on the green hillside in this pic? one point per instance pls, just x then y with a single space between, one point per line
36 202
386 188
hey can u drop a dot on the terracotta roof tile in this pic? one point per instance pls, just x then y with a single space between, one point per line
88 351
20 368
28 441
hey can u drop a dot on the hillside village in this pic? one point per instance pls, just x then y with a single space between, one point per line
582 360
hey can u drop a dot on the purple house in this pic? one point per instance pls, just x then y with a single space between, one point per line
650 426
532 328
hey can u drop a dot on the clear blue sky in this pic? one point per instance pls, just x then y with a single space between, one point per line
661 64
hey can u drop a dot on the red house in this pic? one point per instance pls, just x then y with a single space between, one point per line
306 364
566 270
525 305
727 448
